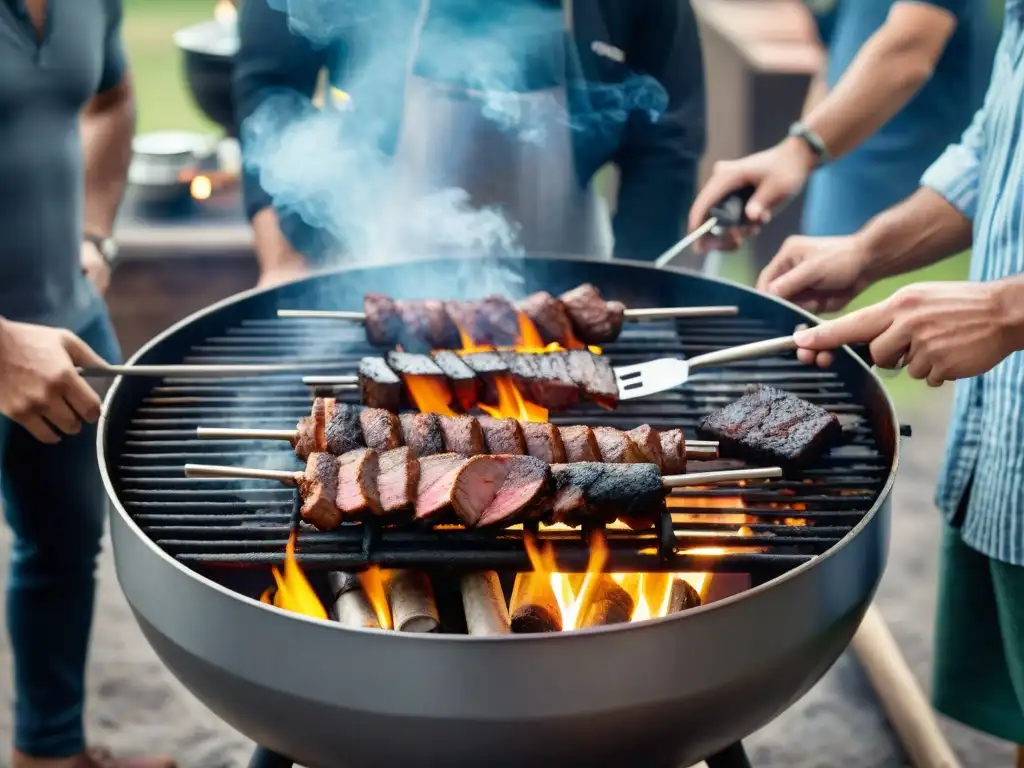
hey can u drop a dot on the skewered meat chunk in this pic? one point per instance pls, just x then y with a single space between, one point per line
422 433
487 366
383 323
493 490
492 321
503 436
594 375
580 443
769 425
462 435
397 480
382 431
589 490
409 364
435 493
548 315
648 440
617 447
594 320
543 378
341 431
461 378
543 441
319 490
673 452
426 325
306 431
379 385
357 483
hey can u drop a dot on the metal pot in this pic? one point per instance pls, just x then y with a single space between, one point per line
209 50
161 161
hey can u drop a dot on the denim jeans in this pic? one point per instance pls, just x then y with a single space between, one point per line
55 504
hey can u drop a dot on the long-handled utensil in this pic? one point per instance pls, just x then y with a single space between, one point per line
727 214
199 371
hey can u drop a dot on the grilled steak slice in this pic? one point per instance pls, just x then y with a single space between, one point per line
769 426
594 320
543 441
520 486
492 321
580 443
592 491
503 436
673 452
617 447
357 484
381 429
462 435
426 326
408 364
319 490
648 440
379 385
383 323
342 432
594 375
422 433
548 315
487 366
543 379
436 488
398 475
463 382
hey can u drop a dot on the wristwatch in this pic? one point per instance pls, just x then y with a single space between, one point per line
106 246
803 132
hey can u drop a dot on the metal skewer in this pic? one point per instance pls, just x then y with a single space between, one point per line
635 315
202 371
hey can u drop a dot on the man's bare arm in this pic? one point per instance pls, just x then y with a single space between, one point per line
107 125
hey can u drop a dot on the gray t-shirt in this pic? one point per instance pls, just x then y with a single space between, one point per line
44 84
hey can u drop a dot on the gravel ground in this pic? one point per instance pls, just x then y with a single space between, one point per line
137 707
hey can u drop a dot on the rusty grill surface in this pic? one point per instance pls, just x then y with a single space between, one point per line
235 523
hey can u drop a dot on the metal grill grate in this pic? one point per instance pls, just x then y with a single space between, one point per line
233 523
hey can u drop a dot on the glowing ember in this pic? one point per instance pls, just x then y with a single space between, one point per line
294 592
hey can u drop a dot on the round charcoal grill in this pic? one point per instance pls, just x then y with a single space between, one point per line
193 555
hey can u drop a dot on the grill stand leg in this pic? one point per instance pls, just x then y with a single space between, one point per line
264 758
734 756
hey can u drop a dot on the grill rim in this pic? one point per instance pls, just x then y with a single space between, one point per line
883 496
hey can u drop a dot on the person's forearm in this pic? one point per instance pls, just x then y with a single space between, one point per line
273 251
107 126
922 230
817 91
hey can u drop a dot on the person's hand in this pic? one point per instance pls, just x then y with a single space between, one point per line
95 267
821 274
938 331
283 273
39 386
777 174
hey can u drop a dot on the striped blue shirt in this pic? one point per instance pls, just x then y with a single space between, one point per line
983 176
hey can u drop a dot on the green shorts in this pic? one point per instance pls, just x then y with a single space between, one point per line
979 641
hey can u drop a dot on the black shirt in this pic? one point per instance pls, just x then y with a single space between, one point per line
657 161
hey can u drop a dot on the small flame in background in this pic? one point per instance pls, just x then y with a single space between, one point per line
225 13
294 592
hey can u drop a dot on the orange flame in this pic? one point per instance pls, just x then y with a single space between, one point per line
294 592
429 394
372 582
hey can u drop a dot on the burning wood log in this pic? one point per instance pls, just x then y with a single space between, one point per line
682 596
534 607
605 602
413 608
352 607
484 604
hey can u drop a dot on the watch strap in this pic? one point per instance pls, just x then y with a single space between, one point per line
105 245
804 132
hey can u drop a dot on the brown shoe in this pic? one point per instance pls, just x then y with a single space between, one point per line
100 757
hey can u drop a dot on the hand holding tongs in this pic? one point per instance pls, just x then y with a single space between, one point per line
729 213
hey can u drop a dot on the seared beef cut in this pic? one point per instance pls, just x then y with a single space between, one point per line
307 429
673 452
397 479
462 435
341 432
580 443
436 488
381 429
594 320
592 491
542 379
383 323
594 375
617 447
502 490
548 315
408 364
319 490
492 321
461 378
503 436
380 386
543 441
487 366
357 484
426 326
422 433
771 427
648 440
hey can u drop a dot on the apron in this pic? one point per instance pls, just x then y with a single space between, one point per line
448 141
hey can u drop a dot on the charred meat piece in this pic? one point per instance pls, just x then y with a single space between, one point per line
503 436
487 366
549 316
461 378
381 429
648 440
306 431
383 323
398 475
543 378
492 321
319 490
422 433
408 364
593 491
580 443
426 326
342 431
519 487
617 447
769 426
673 452
543 441
436 488
357 484
462 435
594 320
593 374
379 385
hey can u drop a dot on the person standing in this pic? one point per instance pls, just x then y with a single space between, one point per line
66 122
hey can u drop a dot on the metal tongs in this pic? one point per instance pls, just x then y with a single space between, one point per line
728 214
